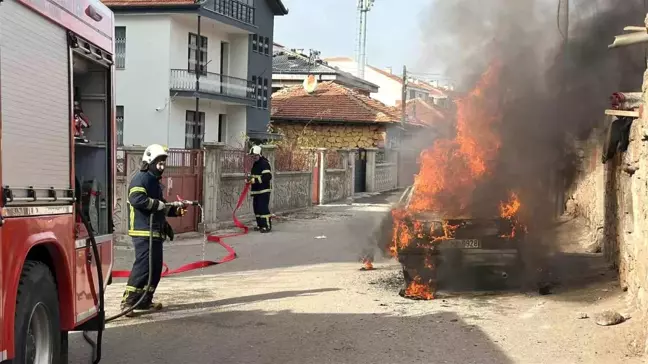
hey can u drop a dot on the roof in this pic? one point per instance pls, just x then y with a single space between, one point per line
421 113
434 92
278 8
330 102
285 61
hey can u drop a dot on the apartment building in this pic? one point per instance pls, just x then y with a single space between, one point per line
192 72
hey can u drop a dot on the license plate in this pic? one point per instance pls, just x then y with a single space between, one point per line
465 243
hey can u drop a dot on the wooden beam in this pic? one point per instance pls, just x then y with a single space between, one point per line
626 113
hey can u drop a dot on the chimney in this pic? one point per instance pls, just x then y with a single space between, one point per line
388 70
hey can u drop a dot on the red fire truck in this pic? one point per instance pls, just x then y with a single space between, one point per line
57 158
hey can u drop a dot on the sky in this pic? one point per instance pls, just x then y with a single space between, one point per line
329 26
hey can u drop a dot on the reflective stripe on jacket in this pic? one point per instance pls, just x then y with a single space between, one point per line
144 197
261 175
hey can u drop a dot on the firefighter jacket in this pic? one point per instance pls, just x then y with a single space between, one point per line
260 177
144 197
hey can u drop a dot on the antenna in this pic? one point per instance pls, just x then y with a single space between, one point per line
361 53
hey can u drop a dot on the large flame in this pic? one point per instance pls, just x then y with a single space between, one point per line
450 171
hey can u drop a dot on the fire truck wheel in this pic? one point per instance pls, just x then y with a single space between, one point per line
37 325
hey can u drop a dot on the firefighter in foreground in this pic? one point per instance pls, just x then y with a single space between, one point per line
260 177
145 197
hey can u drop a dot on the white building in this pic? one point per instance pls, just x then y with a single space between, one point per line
390 85
156 52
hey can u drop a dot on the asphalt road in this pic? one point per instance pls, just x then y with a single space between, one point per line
297 296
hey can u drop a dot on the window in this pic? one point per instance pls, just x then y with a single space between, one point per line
265 93
194 131
252 91
266 46
259 92
120 47
202 50
412 95
255 43
222 127
119 119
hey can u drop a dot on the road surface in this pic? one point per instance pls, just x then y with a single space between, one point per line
297 296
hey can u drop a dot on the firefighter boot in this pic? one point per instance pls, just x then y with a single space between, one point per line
130 299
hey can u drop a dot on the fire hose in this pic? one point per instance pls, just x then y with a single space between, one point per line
99 299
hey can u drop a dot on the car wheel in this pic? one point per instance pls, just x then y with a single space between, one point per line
37 329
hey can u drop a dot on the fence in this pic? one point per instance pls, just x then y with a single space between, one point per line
216 176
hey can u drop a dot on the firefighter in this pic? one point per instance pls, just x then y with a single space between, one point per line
260 177
145 197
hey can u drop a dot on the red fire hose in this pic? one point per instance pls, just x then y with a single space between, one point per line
218 239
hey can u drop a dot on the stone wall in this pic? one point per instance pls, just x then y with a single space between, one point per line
614 199
332 136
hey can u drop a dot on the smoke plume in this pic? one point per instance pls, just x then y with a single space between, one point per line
550 93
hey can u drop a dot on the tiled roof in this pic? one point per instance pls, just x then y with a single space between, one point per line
422 113
138 3
330 102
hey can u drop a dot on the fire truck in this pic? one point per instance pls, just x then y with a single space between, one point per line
57 161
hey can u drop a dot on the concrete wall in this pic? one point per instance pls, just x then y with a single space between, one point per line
291 190
143 85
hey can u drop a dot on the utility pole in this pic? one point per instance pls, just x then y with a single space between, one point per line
361 57
404 98
559 183
197 94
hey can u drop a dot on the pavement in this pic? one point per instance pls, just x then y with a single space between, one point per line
297 295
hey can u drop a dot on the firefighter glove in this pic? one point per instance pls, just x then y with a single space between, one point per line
160 206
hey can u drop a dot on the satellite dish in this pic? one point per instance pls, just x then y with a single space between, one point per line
310 84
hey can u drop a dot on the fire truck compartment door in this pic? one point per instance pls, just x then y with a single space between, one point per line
34 99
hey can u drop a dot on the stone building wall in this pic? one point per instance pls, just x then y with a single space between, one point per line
333 136
614 199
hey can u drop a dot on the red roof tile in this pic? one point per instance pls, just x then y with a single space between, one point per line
422 113
330 102
139 3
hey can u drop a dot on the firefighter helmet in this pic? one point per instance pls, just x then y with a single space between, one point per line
153 152
255 150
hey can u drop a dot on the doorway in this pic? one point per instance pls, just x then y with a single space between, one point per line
361 171
224 67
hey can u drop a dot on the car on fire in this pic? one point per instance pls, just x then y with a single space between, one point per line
456 253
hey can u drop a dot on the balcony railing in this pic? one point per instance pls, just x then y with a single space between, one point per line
234 9
212 83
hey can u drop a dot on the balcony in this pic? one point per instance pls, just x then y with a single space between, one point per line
213 86
233 9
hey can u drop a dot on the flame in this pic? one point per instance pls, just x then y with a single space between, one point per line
417 289
509 210
367 264
450 171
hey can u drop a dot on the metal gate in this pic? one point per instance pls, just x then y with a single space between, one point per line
361 171
183 177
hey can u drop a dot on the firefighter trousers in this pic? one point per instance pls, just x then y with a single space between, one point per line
138 279
261 206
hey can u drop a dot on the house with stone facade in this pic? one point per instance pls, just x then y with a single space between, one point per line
333 116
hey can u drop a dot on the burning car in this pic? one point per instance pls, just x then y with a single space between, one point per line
452 252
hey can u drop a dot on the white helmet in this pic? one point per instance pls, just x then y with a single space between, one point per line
255 150
152 152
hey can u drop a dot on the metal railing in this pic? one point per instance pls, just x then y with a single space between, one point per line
212 83
234 9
